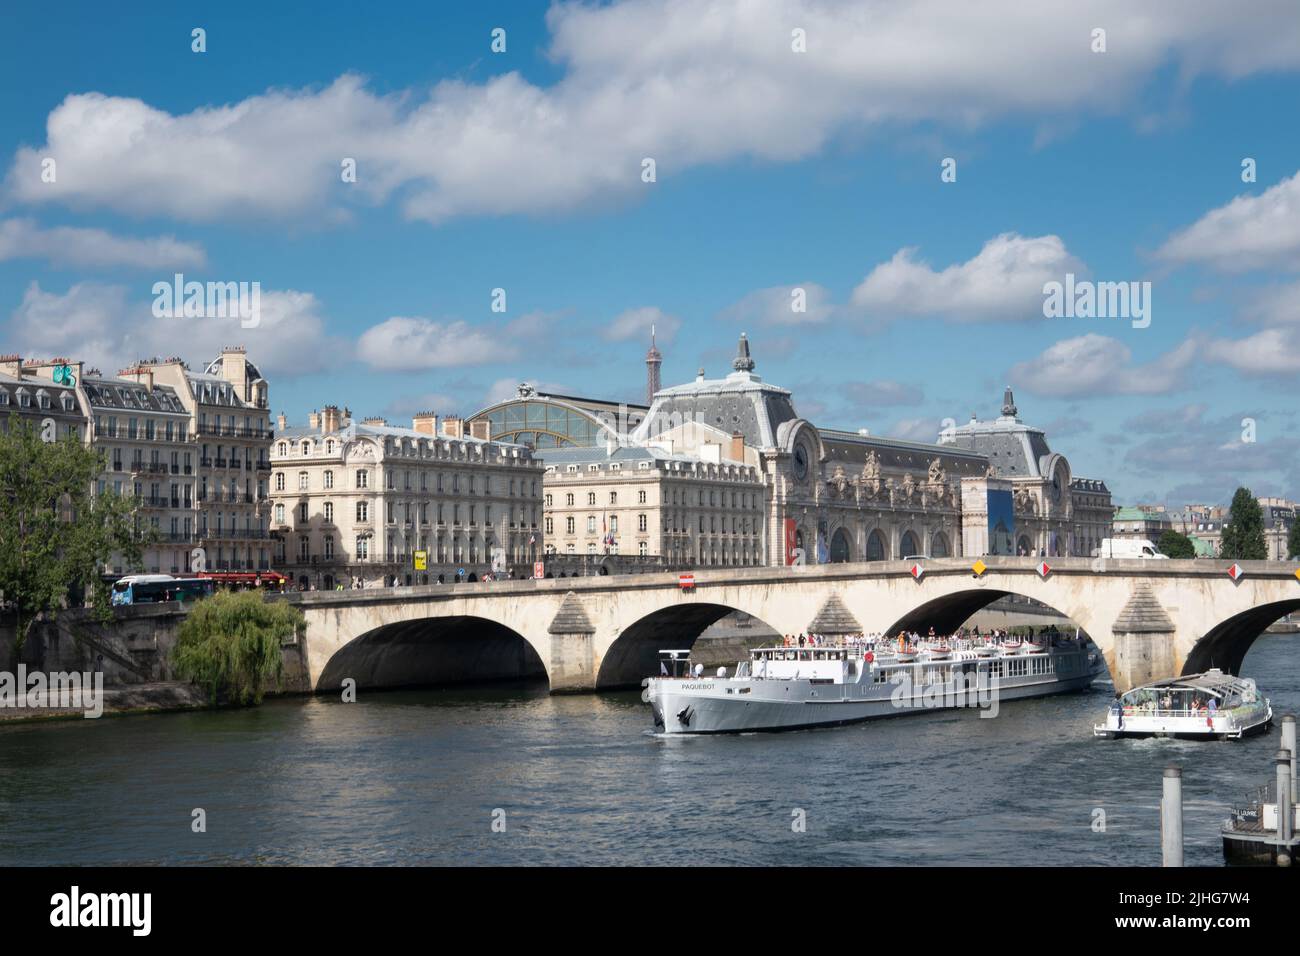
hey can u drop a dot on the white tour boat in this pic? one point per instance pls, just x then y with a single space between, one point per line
1212 705
787 688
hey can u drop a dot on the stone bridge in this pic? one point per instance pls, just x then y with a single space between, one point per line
1151 619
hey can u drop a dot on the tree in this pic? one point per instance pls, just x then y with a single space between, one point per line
1176 545
1243 534
1293 539
55 535
230 645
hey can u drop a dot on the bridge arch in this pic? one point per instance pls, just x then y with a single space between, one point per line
1225 645
431 652
634 654
948 612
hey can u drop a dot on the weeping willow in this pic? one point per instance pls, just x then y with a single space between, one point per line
229 644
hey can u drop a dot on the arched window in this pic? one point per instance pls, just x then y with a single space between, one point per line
840 548
939 545
876 546
908 546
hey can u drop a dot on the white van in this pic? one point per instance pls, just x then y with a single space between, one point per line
1127 548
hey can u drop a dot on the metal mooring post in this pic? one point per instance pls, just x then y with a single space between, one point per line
1171 819
1288 743
1284 810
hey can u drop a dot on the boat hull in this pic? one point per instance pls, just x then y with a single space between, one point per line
1171 730
718 707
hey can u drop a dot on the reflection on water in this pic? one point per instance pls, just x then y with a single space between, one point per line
414 777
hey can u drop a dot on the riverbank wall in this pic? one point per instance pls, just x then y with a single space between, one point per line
132 649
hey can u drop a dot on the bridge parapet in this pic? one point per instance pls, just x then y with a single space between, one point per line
625 619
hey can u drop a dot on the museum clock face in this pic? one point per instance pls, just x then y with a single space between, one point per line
800 462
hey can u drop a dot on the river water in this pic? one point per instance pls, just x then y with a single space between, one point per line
419 778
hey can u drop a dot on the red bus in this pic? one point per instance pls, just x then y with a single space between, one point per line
246 580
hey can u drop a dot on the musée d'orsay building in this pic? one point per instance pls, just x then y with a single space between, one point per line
725 472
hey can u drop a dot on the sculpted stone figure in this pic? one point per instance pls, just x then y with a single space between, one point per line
909 486
872 467
937 475
839 481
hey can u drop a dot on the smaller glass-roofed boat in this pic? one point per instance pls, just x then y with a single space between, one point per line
1213 705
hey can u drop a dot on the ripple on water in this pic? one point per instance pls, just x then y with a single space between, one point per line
413 777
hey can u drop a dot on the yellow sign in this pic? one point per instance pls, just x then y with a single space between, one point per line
422 560
979 567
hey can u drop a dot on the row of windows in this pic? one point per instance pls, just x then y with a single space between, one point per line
413 511
591 498
66 401
720 472
714 525
405 447
153 430
705 554
742 499
361 482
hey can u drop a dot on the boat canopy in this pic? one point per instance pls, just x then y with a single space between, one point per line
1214 683
799 654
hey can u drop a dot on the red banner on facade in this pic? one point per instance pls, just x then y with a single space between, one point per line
791 541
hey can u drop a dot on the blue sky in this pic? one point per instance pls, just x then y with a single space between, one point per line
775 169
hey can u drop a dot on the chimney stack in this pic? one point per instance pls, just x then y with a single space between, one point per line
314 419
281 423
12 365
737 447
330 419
234 369
426 423
481 429
453 426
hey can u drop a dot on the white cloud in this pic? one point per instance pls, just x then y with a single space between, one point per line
1250 232
776 306
94 248
915 429
635 324
402 343
101 325
1004 281
1268 352
884 392
1275 305
684 81
406 406
1097 365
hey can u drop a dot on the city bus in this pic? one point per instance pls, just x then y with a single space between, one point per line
271 581
155 588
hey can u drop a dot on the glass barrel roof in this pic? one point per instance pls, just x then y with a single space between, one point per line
543 424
